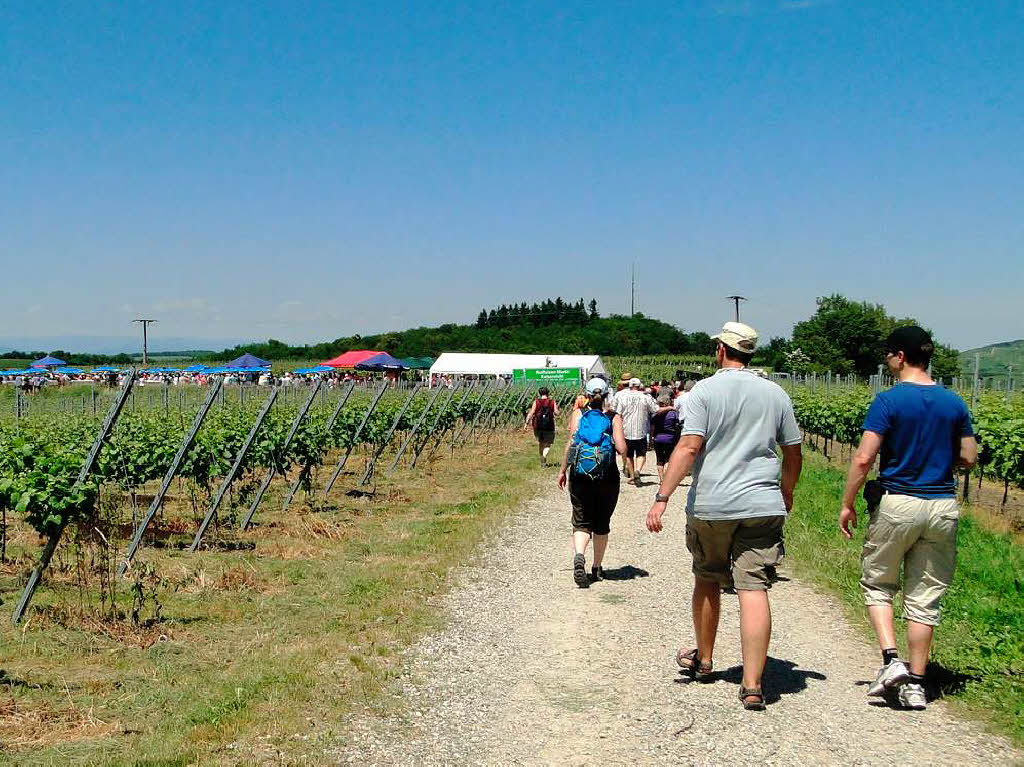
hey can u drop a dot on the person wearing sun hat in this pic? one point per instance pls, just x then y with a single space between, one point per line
588 466
636 407
737 503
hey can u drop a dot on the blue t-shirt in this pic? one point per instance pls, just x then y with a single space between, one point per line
922 426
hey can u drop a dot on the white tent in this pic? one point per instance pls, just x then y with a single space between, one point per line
462 364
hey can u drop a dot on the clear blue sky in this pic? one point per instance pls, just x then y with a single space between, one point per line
305 170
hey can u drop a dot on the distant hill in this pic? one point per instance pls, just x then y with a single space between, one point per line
578 335
995 359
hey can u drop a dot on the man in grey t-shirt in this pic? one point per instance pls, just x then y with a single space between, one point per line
737 504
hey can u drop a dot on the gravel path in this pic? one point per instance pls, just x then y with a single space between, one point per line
532 670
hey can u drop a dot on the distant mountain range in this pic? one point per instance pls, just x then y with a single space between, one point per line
111 344
995 360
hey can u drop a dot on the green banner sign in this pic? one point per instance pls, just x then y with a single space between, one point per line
547 375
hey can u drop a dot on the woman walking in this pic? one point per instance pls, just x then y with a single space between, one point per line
664 430
542 418
593 477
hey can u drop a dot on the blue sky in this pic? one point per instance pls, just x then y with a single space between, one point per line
307 170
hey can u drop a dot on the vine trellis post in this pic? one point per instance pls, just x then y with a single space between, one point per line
87 466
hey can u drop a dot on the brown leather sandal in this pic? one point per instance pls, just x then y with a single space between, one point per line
687 660
752 692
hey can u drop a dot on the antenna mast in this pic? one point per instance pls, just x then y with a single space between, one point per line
145 350
632 291
736 300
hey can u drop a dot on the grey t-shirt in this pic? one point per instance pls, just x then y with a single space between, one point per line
742 418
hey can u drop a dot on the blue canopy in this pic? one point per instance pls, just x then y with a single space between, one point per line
106 369
247 361
317 369
69 371
382 361
195 368
48 361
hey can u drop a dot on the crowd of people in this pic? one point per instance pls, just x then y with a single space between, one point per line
734 440
35 380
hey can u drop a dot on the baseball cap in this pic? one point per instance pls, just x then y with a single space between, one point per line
597 386
635 382
738 336
908 339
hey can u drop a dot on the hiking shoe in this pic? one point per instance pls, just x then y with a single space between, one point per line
597 573
911 695
579 571
890 675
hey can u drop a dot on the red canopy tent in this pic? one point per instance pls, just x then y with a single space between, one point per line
350 359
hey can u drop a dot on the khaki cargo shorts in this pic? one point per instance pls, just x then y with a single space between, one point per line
742 553
919 534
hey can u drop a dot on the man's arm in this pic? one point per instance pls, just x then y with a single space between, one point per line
861 463
792 463
968 457
679 465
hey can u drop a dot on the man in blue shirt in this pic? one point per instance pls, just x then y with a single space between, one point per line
922 431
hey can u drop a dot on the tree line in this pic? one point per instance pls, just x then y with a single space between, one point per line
546 312
636 335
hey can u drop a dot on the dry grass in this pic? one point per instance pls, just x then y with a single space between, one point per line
260 650
31 725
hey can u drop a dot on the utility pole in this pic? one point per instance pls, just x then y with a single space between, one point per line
145 349
736 300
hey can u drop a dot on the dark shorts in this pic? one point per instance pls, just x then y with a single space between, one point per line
544 437
663 451
593 502
635 447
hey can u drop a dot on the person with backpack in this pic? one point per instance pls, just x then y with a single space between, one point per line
542 418
589 467
664 430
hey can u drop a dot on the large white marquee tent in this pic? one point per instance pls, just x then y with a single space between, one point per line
465 364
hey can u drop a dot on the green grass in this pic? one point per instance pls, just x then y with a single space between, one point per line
978 651
264 652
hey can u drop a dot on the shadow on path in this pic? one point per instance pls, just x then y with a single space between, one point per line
781 677
625 573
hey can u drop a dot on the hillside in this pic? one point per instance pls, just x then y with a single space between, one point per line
598 335
995 359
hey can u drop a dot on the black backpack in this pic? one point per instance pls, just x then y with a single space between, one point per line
544 415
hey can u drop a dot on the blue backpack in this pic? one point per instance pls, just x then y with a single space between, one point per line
592 454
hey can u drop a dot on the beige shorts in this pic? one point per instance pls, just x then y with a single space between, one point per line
742 553
919 534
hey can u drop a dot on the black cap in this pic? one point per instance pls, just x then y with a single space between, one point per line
910 339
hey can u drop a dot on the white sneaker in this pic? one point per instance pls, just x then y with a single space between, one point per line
891 674
911 695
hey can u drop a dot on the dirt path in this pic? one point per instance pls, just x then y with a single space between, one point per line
532 670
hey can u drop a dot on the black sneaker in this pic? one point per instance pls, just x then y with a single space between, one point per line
597 573
579 571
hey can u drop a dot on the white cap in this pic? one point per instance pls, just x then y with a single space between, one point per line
597 386
635 382
740 337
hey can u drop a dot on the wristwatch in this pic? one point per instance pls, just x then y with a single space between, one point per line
660 498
